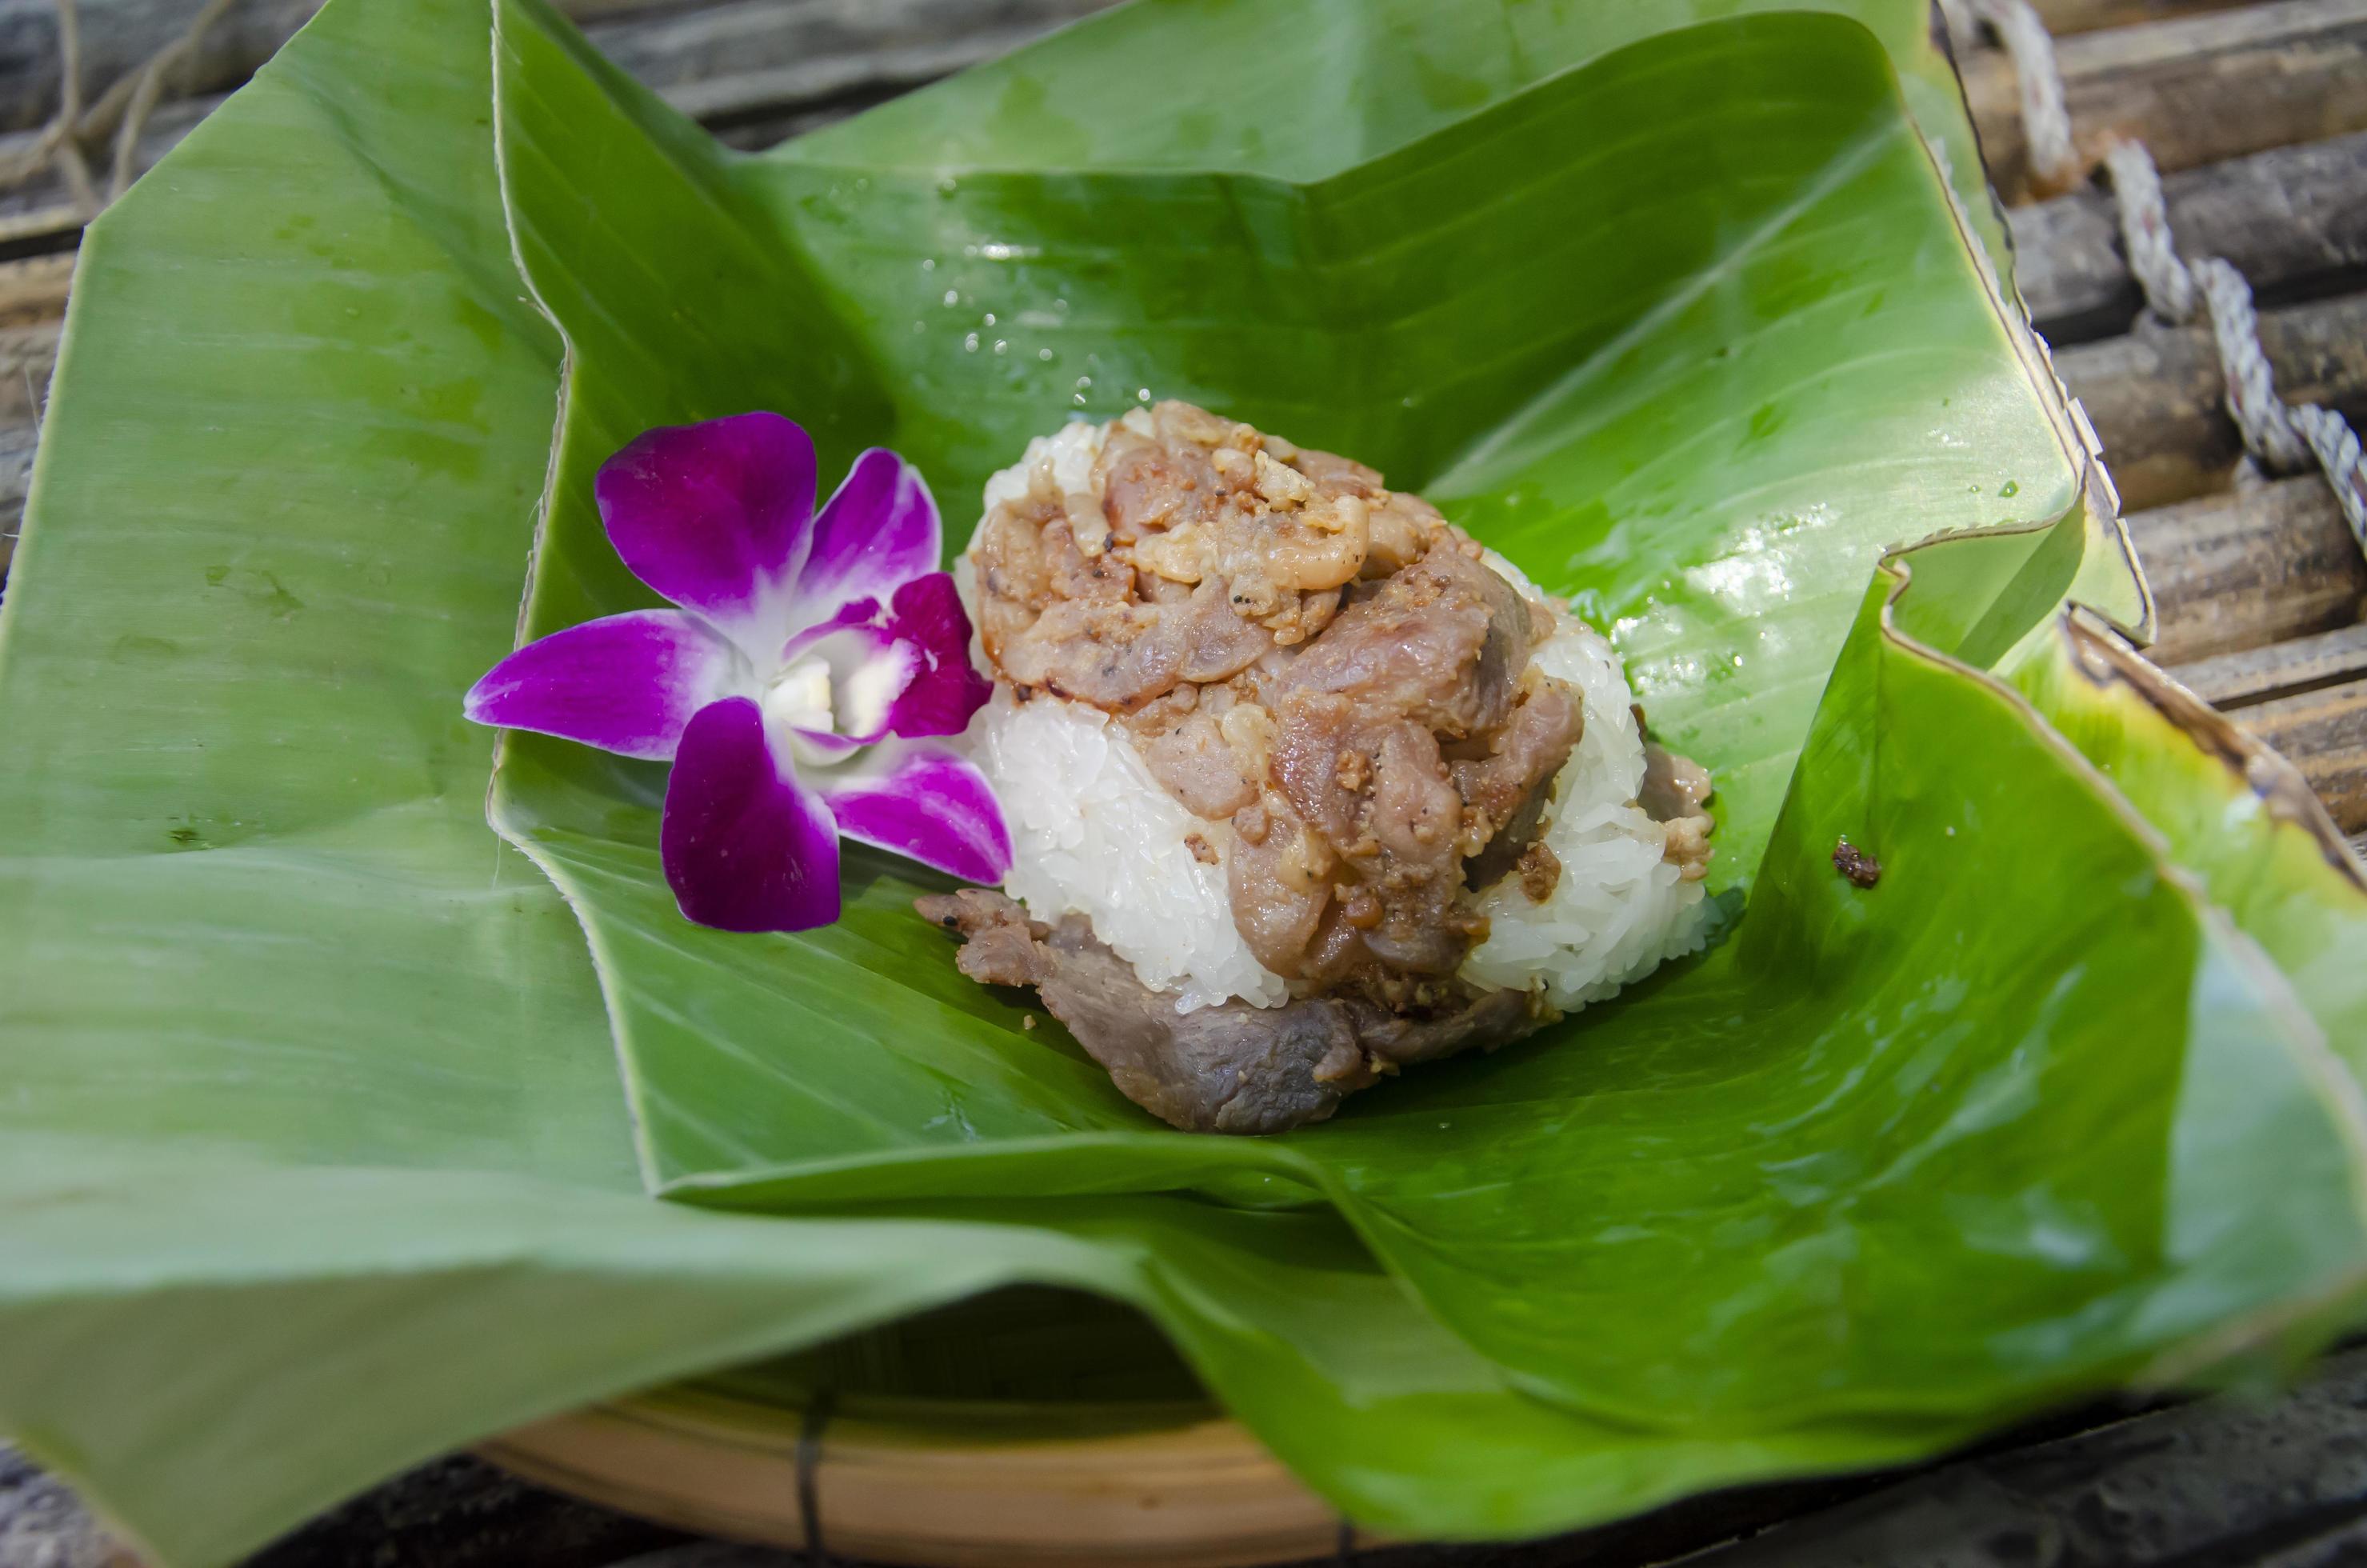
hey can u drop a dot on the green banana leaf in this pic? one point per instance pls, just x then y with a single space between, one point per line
1703 406
1707 444
316 1160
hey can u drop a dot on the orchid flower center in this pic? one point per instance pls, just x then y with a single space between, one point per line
798 696
843 685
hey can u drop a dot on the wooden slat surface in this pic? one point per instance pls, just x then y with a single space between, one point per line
2237 572
120 35
2155 395
2063 17
2235 681
2196 90
2325 734
2293 220
34 290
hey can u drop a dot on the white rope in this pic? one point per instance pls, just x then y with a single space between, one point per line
2280 437
2044 119
1956 17
2336 446
2145 229
2252 401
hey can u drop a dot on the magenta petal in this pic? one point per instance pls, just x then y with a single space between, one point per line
925 802
946 689
626 684
879 531
746 846
717 518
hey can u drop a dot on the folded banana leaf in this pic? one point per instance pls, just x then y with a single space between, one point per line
317 1158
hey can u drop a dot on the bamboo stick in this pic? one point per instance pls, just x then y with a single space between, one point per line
2292 220
119 36
2240 571
2156 396
2196 90
2234 681
774 97
2063 17
2324 733
28 354
34 290
17 443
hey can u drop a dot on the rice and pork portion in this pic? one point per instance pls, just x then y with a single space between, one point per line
1304 786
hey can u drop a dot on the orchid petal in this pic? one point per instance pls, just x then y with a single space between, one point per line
854 612
626 684
718 517
946 689
879 531
925 802
746 846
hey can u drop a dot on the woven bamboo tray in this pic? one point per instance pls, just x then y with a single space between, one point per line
974 1484
1030 1428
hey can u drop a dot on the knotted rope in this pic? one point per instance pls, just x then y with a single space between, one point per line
2281 437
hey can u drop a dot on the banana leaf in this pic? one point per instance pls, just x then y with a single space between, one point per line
1703 407
1705 446
317 1157
315 1161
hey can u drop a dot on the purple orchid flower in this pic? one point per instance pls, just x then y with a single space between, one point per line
795 686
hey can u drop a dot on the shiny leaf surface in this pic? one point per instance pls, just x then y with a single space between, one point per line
1783 358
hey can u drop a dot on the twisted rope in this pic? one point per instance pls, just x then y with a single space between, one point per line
2044 119
2144 232
2252 401
2336 446
2281 437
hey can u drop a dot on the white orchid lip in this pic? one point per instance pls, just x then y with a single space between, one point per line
838 693
797 700
824 643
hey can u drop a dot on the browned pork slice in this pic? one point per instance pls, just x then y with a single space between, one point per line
1233 1068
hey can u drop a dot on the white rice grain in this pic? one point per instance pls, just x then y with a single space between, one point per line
1093 833
1619 909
